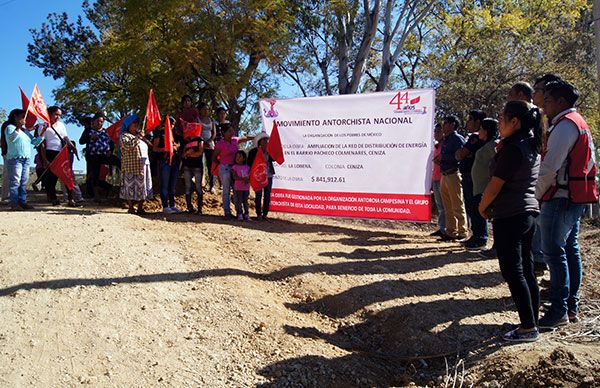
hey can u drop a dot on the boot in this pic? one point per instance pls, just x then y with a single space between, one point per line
188 200
199 212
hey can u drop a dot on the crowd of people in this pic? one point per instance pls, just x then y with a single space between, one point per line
534 183
531 173
138 156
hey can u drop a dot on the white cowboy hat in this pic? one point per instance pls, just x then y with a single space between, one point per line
259 137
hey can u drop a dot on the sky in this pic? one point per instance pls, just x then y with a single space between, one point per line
16 18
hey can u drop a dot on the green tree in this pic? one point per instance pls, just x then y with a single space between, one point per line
347 46
215 50
477 50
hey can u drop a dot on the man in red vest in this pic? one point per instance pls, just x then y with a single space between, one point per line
565 185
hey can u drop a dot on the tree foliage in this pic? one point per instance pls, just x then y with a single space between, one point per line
232 52
348 46
477 50
214 50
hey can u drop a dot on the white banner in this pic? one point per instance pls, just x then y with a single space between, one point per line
359 155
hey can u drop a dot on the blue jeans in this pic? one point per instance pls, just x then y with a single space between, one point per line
262 207
226 183
559 224
240 199
168 180
437 196
18 175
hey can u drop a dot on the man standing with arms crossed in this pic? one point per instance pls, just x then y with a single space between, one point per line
450 184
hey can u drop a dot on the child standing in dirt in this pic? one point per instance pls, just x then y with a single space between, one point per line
241 186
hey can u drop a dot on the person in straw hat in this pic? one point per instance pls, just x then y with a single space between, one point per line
263 197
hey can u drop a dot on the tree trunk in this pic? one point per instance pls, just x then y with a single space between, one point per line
372 19
342 54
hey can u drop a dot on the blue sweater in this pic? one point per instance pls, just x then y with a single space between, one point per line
450 145
19 142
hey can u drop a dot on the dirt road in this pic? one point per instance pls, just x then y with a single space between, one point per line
101 297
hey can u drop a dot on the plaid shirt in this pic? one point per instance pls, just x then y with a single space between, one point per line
131 157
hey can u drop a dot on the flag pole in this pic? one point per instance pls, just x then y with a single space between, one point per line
144 125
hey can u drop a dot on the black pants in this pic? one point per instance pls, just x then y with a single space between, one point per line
52 179
478 223
95 163
208 155
512 239
262 200
89 186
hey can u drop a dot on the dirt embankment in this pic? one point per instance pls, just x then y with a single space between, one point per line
101 297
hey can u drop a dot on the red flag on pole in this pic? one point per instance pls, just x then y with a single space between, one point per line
31 119
169 139
274 147
37 106
61 167
152 114
190 130
113 130
259 178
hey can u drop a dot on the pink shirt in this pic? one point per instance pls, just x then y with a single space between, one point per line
227 150
437 172
242 170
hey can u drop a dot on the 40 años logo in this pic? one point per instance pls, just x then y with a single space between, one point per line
404 104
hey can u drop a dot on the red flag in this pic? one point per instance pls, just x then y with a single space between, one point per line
274 147
169 138
259 178
37 106
31 119
214 171
114 129
190 130
61 167
152 114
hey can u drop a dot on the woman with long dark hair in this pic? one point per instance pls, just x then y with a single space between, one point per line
18 156
509 200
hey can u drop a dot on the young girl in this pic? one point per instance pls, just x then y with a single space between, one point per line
509 199
241 185
224 157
